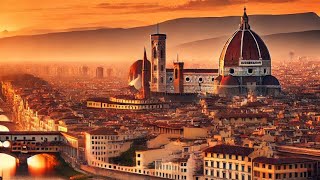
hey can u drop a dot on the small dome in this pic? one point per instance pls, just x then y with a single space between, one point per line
135 70
229 81
135 73
270 81
250 79
136 83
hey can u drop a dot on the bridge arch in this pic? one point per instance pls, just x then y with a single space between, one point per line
7 153
4 128
29 158
8 163
4 118
42 159
7 125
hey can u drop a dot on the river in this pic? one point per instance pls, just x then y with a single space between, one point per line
39 167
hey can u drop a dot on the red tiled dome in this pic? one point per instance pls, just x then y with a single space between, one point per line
229 81
136 69
245 44
270 81
218 78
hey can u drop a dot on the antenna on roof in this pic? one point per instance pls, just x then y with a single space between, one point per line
157 28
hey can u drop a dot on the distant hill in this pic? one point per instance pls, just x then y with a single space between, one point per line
125 45
302 43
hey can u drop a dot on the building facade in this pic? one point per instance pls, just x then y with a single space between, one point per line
103 143
244 163
283 168
228 162
126 103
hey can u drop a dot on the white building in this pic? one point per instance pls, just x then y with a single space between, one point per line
104 143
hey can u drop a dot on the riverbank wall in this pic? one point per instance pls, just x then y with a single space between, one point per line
117 175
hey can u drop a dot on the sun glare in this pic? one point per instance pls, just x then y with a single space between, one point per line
40 163
7 165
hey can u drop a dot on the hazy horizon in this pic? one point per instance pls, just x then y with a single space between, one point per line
38 16
30 32
81 31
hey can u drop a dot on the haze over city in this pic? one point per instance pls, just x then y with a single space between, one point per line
183 90
89 30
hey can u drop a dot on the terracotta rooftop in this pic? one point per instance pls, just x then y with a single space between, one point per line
31 133
229 149
103 131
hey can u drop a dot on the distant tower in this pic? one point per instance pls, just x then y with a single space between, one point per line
145 80
109 72
99 72
84 71
158 62
178 76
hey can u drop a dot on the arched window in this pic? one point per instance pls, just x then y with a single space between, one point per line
161 53
154 52
176 73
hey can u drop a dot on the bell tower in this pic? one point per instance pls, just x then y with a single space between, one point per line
178 77
158 62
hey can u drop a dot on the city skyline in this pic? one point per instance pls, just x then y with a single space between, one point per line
223 94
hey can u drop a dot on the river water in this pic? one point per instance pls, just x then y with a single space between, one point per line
39 167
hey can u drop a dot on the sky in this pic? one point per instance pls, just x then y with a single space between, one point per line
41 16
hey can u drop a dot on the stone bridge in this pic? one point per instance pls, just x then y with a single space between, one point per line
24 144
8 124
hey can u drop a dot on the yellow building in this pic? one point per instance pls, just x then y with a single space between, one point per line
126 102
283 168
228 162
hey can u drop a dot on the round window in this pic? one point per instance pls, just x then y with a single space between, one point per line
265 71
231 71
170 79
212 79
200 79
187 79
250 71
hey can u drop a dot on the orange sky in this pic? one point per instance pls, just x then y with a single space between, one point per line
38 16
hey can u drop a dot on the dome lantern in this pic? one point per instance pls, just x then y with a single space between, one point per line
244 20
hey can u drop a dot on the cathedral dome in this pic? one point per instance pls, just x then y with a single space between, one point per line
244 44
270 81
135 70
229 81
135 73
